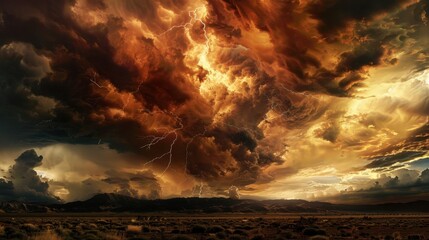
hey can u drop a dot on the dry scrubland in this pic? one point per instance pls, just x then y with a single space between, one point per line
215 227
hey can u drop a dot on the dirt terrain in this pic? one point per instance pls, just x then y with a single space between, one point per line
233 226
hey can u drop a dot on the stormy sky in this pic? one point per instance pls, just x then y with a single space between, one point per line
311 99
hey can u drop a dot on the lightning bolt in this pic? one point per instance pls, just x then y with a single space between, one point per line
156 139
196 16
127 101
200 194
93 79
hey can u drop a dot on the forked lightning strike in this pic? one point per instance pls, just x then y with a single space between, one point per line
195 17
156 139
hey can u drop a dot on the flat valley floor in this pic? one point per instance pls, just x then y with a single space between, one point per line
219 226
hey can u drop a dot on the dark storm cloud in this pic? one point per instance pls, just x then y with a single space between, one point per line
104 81
24 184
20 109
294 48
70 60
415 146
388 160
79 191
74 59
335 15
71 120
375 49
6 190
369 55
129 183
391 194
403 185
96 4
290 43
124 186
74 62
372 45
418 140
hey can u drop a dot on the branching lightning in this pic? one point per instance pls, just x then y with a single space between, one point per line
156 139
127 101
196 16
93 79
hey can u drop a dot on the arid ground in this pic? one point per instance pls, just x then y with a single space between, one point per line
237 226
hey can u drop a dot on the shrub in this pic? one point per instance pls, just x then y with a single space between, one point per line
240 232
258 237
281 238
211 238
9 230
28 227
235 237
155 230
313 232
275 224
221 235
287 234
415 237
145 229
91 236
92 226
198 229
215 229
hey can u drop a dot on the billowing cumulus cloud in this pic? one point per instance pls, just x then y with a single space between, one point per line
400 185
179 94
27 181
143 181
24 183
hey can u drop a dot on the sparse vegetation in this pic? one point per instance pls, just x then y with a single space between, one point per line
215 228
47 235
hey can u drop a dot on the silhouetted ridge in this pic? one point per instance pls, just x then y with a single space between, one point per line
101 202
111 202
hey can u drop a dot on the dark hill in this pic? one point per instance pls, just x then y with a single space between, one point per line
110 202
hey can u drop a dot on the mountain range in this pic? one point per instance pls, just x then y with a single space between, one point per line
110 202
